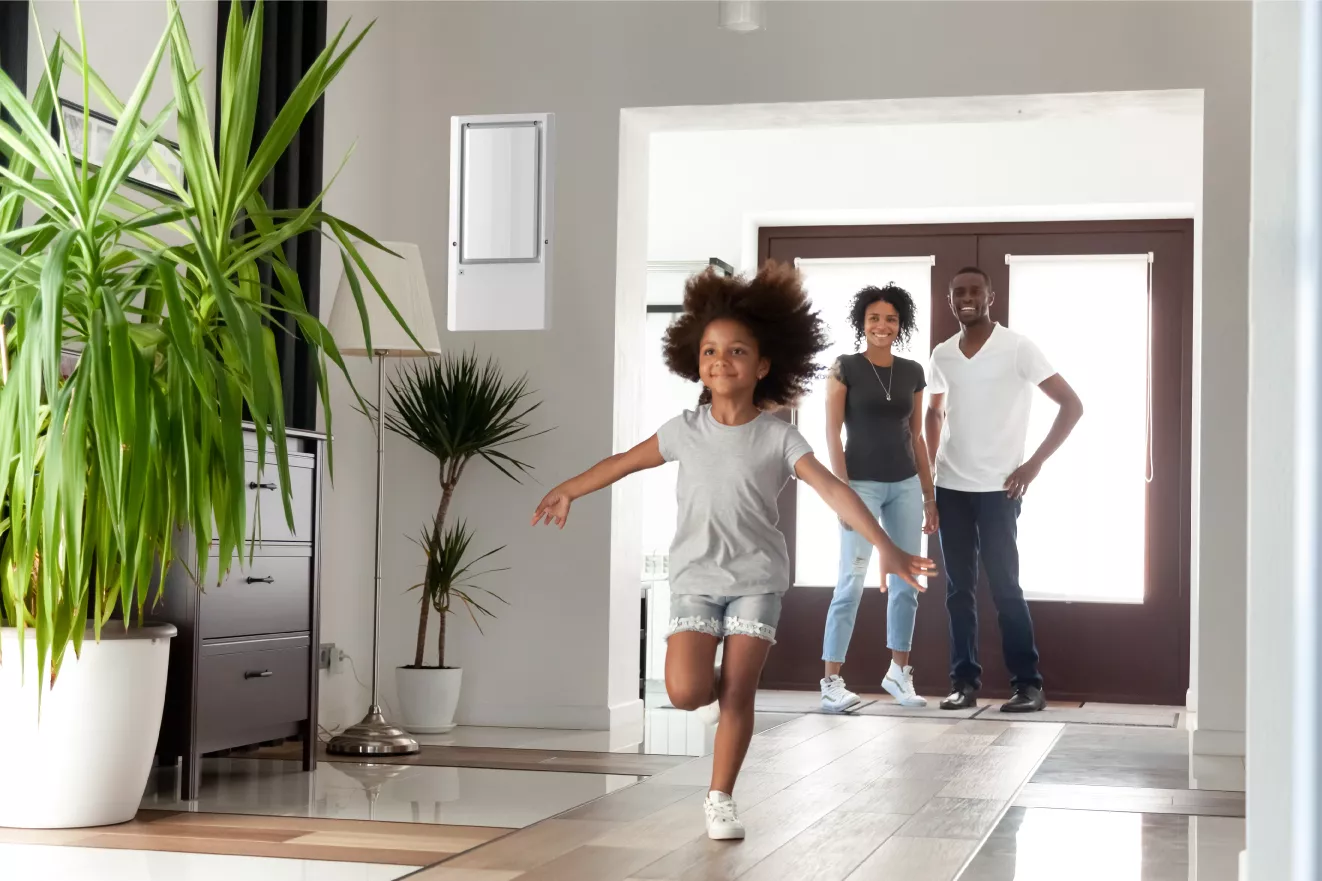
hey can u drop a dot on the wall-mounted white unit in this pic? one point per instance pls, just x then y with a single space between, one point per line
500 222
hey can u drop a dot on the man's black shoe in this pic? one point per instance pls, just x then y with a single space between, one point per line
1026 699
964 697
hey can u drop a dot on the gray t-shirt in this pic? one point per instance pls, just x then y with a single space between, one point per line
878 439
726 540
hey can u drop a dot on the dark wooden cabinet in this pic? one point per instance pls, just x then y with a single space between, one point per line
243 669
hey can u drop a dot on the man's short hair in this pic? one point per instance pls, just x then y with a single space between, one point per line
972 270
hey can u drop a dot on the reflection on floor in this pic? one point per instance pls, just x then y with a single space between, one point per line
297 838
827 797
1142 800
83 864
831 798
397 793
501 758
1042 844
664 731
1140 757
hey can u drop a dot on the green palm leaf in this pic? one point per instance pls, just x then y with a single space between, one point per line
458 409
100 468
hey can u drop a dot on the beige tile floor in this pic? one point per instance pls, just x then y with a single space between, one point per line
923 798
825 798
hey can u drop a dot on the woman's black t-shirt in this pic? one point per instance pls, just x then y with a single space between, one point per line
879 443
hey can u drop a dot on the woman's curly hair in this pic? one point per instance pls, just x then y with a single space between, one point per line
774 307
893 294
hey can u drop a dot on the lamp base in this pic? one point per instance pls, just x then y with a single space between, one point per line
373 736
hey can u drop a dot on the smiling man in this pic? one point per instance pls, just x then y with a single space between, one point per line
981 384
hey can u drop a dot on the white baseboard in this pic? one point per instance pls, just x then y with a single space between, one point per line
1220 773
574 718
628 713
1210 742
1243 865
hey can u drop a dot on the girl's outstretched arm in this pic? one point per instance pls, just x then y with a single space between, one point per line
850 508
555 507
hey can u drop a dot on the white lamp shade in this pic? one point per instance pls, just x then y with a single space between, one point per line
405 283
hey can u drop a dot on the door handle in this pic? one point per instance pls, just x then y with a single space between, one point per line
252 484
257 674
267 580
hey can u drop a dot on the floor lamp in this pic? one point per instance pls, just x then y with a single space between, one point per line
405 283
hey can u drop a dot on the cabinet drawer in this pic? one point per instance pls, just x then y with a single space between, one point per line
252 686
266 511
272 594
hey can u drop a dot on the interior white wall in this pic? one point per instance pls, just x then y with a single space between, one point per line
712 190
551 658
1272 473
359 123
121 37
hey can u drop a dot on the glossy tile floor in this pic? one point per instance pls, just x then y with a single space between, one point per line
91 864
664 731
1141 757
1043 844
399 793
825 798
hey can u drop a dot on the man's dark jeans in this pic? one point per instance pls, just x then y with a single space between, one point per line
985 524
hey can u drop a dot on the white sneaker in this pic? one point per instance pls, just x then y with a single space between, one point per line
723 822
836 698
899 684
710 715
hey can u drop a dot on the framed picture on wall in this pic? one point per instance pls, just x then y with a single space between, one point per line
100 129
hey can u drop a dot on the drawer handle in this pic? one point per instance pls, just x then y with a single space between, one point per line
257 674
252 484
267 580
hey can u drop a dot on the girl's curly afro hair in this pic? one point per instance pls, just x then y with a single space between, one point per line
775 308
893 294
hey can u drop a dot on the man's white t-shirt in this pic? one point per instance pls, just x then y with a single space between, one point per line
988 400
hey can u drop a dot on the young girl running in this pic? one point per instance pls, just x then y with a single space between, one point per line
752 345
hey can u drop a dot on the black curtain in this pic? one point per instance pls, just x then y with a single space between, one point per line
293 35
13 49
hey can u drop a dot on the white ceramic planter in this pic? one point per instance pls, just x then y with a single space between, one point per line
86 760
428 698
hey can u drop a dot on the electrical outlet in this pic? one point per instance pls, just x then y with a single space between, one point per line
326 656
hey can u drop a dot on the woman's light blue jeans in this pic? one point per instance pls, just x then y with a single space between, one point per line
899 506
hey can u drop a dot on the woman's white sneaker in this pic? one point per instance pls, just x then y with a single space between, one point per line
899 684
836 698
723 822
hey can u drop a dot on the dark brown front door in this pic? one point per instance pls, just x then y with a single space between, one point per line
1132 651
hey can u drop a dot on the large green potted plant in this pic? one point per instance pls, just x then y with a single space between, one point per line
101 463
458 409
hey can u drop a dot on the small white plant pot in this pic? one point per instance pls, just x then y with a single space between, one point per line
428 697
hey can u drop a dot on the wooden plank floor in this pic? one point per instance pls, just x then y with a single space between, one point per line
354 841
498 758
824 798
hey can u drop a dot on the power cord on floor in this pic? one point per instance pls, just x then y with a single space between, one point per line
354 667
327 733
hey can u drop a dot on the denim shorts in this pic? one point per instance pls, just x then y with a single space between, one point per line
721 616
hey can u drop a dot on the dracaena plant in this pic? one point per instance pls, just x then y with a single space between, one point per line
163 296
449 578
458 409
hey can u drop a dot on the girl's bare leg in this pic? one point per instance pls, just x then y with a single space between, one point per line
741 668
690 669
